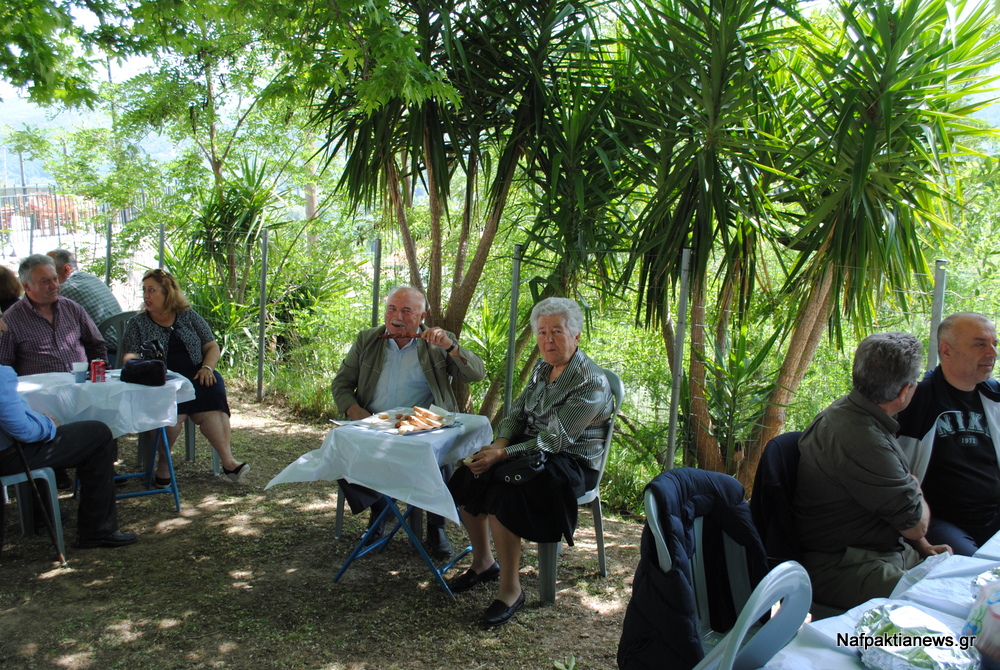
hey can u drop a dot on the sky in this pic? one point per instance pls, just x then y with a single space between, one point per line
16 112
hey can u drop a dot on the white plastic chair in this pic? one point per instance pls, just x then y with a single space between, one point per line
548 552
190 431
736 566
24 500
787 582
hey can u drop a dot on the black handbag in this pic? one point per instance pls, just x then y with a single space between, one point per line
521 469
152 350
147 373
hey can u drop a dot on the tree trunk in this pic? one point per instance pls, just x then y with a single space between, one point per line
461 298
669 338
802 346
709 457
434 269
463 239
398 209
494 394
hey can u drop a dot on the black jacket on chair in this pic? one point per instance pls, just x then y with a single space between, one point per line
773 493
660 628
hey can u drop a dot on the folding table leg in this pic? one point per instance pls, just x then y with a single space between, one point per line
170 465
360 549
401 522
150 472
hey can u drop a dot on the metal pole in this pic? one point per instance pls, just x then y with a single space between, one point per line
55 202
263 318
162 242
678 372
107 255
26 206
377 283
515 285
937 307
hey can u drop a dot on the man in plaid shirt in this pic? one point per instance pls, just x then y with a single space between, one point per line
45 331
88 291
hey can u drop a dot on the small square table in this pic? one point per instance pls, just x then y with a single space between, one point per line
401 467
123 407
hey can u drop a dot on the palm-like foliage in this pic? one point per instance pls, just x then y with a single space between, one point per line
882 109
225 232
884 135
581 173
702 69
704 118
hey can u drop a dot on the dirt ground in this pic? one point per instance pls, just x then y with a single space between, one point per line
243 578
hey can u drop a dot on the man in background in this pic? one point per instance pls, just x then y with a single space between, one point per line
859 513
45 331
86 290
402 364
951 435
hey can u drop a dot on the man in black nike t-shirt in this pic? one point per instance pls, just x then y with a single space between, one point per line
951 435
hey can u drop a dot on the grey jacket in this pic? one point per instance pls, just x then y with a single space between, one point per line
355 381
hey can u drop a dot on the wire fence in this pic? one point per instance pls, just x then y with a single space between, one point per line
37 220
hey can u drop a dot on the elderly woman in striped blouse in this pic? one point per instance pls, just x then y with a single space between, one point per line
563 412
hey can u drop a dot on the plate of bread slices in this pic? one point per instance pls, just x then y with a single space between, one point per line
411 420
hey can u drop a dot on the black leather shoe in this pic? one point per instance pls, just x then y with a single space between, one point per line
471 579
40 526
116 539
63 480
497 614
378 533
437 542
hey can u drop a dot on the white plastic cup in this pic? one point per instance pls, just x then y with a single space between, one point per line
80 372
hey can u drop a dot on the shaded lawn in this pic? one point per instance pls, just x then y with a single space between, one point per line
243 578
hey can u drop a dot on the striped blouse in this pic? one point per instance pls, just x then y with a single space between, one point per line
571 414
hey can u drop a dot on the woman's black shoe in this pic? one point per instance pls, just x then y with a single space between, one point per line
497 614
471 579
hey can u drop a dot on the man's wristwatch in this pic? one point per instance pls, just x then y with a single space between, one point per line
452 347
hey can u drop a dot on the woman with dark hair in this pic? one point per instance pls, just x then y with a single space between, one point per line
10 288
167 317
562 413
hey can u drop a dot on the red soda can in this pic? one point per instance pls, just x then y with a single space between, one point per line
97 370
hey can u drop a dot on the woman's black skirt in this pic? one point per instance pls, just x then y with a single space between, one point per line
206 398
542 510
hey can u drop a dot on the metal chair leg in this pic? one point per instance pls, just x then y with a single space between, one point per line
56 537
548 557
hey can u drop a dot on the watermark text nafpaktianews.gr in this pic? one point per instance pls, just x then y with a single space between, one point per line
905 640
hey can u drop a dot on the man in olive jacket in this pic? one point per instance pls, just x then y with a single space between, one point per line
402 364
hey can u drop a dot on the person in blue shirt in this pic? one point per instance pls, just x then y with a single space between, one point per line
85 445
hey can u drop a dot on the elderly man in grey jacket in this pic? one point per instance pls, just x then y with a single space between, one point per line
402 364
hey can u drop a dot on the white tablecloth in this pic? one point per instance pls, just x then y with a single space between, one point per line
125 408
944 593
991 549
404 467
